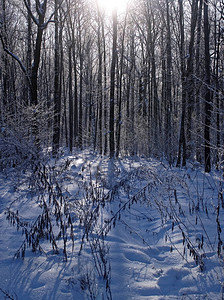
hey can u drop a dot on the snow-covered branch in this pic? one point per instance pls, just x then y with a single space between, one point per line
14 56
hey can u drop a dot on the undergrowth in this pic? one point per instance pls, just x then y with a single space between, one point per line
101 203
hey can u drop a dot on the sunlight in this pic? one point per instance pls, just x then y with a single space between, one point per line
110 5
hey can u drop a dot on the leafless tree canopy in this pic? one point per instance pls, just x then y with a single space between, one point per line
146 81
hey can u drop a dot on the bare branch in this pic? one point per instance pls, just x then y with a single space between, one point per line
44 25
30 13
23 68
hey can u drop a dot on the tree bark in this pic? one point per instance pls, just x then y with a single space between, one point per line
208 108
168 99
112 84
190 87
71 115
182 139
57 88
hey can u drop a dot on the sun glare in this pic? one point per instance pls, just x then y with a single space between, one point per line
110 5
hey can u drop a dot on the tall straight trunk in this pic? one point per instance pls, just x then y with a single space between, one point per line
207 150
74 56
198 84
130 86
190 79
119 119
132 134
100 84
57 88
96 120
29 51
90 120
112 84
105 108
217 38
37 53
168 105
41 11
151 48
71 116
75 121
80 101
64 117
182 140
9 73
5 86
156 116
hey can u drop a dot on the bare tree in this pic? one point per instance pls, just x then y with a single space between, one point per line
57 84
181 160
208 107
112 84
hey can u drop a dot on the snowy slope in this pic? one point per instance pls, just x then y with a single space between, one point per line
152 233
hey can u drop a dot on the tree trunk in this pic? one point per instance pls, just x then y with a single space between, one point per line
119 119
190 88
100 83
112 84
71 115
57 88
207 150
198 85
37 51
168 105
182 139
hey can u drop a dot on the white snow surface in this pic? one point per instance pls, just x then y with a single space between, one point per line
153 215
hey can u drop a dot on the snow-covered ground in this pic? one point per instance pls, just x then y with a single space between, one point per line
147 232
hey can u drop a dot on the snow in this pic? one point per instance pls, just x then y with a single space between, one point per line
150 216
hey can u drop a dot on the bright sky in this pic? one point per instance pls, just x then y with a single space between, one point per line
109 5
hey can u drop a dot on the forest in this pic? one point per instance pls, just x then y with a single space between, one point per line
111 149
145 81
